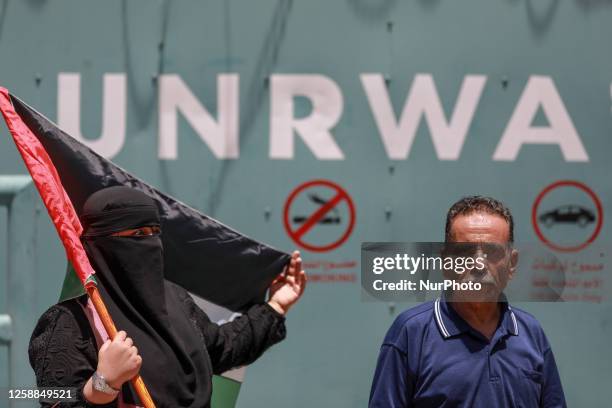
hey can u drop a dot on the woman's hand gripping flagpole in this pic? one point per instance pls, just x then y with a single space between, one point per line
137 382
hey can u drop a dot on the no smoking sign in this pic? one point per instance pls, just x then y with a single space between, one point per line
319 215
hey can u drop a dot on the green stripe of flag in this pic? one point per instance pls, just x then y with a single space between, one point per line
225 392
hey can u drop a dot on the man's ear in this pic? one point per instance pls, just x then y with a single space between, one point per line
514 258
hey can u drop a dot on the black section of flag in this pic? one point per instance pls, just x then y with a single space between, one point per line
201 254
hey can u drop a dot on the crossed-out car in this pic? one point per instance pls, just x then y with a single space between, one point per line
573 214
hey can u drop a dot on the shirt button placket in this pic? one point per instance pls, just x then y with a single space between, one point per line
493 377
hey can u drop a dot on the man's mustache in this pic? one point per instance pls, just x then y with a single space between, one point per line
483 277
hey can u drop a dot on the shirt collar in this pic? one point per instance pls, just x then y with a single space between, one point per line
451 324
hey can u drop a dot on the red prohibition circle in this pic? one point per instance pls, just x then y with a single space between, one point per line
296 235
580 186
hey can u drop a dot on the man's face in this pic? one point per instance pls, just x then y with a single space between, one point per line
490 233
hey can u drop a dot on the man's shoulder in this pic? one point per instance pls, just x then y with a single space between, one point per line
529 326
415 315
412 320
526 319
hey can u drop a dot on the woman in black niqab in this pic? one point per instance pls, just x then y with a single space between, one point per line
130 274
180 347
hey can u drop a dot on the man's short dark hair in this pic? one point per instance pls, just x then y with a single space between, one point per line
477 203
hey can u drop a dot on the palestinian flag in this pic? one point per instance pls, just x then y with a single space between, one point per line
225 271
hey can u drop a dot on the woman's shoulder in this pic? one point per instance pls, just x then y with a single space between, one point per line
181 294
67 311
66 319
62 345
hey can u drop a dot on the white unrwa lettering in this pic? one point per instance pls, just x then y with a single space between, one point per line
112 136
423 100
221 133
315 129
540 91
221 136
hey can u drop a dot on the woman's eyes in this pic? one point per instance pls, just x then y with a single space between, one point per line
139 232
146 232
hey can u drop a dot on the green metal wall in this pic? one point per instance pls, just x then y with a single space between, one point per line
333 337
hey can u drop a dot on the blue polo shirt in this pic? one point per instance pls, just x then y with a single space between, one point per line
431 357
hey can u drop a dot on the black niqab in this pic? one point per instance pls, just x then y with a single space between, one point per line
130 276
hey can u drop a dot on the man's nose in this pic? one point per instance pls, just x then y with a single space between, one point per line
479 253
478 272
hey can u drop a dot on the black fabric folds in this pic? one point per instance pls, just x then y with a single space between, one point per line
115 209
130 274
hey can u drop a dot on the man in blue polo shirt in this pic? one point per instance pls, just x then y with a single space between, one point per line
452 352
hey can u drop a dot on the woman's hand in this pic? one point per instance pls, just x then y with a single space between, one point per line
289 286
118 362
